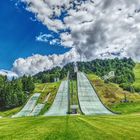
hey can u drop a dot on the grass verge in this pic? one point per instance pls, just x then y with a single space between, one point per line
74 95
118 127
136 84
10 112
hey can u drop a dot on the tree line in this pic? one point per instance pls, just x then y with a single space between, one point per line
50 75
15 93
123 69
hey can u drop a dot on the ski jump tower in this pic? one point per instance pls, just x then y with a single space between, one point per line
75 67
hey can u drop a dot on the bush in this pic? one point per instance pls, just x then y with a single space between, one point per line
14 93
128 87
137 89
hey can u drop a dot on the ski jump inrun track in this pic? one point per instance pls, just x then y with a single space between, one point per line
89 102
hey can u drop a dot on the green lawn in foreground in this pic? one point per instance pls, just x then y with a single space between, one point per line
117 127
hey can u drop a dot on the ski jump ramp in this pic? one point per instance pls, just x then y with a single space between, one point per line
60 104
37 109
90 103
28 108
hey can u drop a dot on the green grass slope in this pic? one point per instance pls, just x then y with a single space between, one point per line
112 95
45 89
117 127
74 95
137 76
9 112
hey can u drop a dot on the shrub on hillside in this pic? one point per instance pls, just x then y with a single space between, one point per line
128 87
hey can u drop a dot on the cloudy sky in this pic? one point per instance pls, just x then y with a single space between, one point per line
37 35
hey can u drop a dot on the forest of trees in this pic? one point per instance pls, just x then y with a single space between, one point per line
57 72
15 93
123 69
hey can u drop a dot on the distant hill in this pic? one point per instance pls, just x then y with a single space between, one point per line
122 68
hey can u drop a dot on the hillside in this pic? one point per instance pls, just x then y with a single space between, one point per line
136 84
9 112
45 89
113 96
122 68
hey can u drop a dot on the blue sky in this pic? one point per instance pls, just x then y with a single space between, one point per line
18 33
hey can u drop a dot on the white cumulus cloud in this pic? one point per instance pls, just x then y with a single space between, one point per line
93 28
38 63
